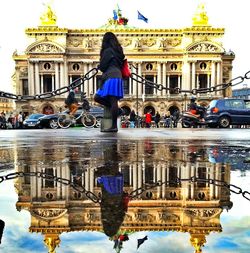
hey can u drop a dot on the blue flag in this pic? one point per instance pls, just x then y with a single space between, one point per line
140 16
115 15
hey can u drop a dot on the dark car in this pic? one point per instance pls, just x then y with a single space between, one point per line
228 111
32 120
50 120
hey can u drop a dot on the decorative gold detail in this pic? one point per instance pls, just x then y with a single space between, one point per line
203 214
174 42
126 42
164 216
48 214
51 241
75 42
87 43
204 47
198 241
149 42
45 48
138 44
48 17
200 17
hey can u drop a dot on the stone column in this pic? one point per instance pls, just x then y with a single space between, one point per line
219 76
86 83
134 176
140 88
42 85
192 85
37 79
164 74
163 168
159 79
91 83
31 78
66 79
62 76
158 177
168 83
213 72
56 75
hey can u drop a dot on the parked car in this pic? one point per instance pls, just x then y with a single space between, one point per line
228 111
32 120
50 120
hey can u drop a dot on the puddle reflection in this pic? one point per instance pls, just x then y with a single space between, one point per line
121 188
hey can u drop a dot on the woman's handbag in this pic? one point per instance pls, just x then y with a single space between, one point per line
125 69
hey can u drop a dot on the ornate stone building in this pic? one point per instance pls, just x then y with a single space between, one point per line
6 105
186 58
184 207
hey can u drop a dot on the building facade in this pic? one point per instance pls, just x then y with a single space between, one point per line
6 106
188 58
185 207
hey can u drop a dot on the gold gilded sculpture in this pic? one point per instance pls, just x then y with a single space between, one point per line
200 17
48 17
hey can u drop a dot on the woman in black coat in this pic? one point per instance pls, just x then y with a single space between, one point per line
111 62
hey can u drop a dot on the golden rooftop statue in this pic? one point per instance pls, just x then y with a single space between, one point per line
48 17
52 241
200 18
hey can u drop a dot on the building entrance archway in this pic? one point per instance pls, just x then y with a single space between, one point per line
48 109
148 108
173 108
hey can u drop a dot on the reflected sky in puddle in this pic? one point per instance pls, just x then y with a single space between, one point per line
175 192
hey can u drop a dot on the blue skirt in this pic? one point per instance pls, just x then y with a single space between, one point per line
112 87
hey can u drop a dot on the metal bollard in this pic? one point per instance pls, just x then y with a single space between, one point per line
106 122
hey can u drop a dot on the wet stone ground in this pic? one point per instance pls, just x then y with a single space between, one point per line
79 190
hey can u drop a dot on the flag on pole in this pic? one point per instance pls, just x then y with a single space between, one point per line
115 15
140 16
141 241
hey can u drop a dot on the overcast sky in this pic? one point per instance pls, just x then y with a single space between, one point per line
16 16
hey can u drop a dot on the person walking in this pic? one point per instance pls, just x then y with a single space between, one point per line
157 119
111 62
132 118
148 119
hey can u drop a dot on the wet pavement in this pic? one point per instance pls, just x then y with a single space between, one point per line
80 190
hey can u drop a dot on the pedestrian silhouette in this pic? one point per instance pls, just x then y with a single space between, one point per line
141 241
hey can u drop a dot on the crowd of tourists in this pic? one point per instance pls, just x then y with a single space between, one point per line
148 120
11 121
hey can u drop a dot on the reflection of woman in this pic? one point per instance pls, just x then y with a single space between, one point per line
111 61
112 202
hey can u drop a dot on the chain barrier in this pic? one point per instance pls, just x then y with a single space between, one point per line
76 83
233 82
90 74
133 194
79 188
231 187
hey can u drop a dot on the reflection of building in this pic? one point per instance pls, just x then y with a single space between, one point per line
6 105
187 58
194 208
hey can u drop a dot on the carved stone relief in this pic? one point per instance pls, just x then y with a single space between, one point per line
46 48
75 42
203 214
173 42
165 216
125 42
48 213
204 47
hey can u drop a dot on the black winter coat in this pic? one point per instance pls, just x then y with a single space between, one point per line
111 63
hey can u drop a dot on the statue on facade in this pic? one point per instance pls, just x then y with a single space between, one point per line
48 17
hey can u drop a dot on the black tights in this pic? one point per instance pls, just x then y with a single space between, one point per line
112 103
